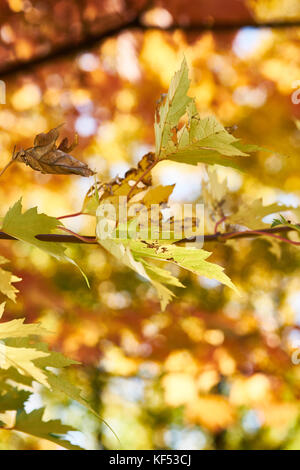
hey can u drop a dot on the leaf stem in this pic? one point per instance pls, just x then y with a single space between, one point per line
76 214
142 177
219 222
6 166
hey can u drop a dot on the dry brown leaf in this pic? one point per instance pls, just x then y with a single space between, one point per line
134 182
45 156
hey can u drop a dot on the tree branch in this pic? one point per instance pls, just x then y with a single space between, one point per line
215 237
90 41
51 237
223 237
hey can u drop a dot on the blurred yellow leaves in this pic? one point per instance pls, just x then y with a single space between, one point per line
214 337
183 384
275 10
116 363
180 388
88 336
114 139
207 379
26 97
181 361
213 412
226 363
166 58
180 383
16 5
250 391
126 422
126 100
277 415
193 327
272 70
80 97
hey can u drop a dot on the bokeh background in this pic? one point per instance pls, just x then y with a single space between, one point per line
214 371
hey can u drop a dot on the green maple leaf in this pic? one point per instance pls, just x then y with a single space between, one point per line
199 140
12 374
21 358
171 108
203 140
136 255
282 221
52 430
124 250
62 384
159 278
192 259
25 226
32 423
13 399
57 382
30 358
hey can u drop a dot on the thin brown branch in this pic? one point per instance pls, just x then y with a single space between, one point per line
218 223
76 235
68 216
215 237
223 237
259 232
51 237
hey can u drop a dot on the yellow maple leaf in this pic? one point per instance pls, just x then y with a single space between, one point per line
22 359
6 280
251 214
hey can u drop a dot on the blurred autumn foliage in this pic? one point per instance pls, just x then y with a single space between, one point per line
213 371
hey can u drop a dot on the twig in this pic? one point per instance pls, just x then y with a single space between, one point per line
53 237
76 235
259 232
76 214
218 223
222 237
216 237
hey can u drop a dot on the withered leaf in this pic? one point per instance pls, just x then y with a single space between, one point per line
49 158
134 182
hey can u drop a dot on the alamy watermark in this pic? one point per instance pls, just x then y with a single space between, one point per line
295 357
296 93
138 221
2 92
